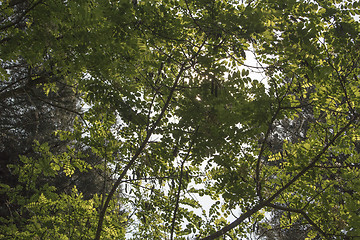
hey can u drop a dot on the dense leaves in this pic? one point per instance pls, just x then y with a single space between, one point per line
155 102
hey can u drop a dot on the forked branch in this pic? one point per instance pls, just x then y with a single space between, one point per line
267 202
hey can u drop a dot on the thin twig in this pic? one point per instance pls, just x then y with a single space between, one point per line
143 144
300 211
179 188
262 204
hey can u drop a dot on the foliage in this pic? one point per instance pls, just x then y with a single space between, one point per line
173 117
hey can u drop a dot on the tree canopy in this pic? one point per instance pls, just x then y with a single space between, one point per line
122 119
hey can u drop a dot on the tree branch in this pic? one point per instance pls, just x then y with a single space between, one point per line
303 213
137 153
263 146
261 205
179 188
20 17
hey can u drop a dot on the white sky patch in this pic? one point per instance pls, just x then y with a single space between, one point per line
257 70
